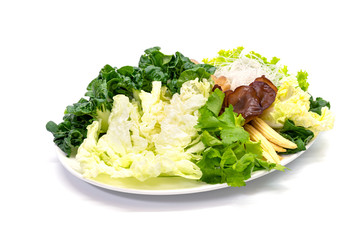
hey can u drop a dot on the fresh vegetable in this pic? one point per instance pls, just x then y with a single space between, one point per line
171 70
70 133
270 134
294 104
229 156
150 137
255 135
297 134
226 57
317 104
302 80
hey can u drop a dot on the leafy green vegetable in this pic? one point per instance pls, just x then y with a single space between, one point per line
317 104
228 56
171 70
302 80
69 134
225 57
284 70
213 102
259 57
230 157
112 81
297 134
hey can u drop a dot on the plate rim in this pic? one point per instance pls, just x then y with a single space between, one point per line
201 188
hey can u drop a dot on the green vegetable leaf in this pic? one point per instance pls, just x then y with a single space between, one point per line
244 162
253 148
210 140
228 117
302 80
70 133
233 134
297 134
172 70
207 120
317 104
155 73
191 74
284 70
225 57
259 57
234 178
274 60
228 158
261 164
82 107
214 102
210 166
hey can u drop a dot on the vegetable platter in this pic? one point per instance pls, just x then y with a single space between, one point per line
173 125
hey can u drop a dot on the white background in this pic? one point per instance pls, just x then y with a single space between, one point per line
50 50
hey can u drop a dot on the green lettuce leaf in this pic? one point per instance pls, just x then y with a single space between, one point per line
225 57
302 80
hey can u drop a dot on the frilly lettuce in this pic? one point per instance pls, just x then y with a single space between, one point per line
294 104
151 138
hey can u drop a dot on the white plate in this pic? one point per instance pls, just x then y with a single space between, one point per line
160 185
